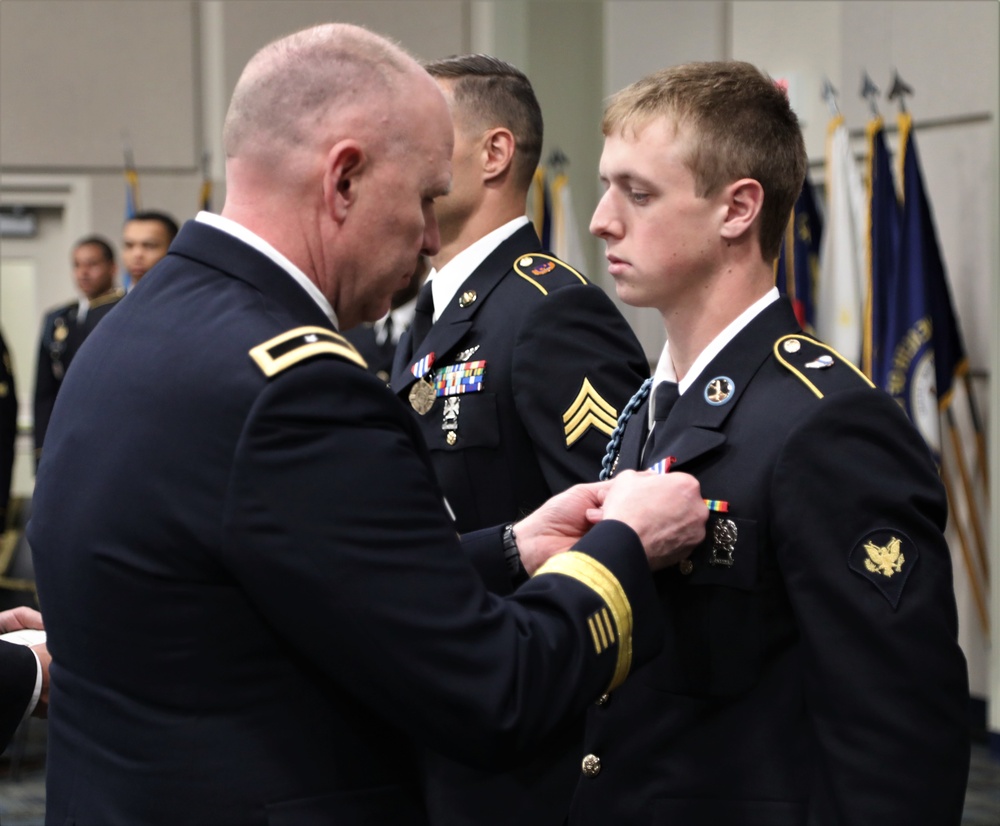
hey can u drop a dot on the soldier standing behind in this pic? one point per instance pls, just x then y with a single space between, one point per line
146 237
65 328
516 375
8 428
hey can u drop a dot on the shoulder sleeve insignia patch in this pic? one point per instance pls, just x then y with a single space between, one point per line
534 266
809 359
885 558
281 352
610 626
588 410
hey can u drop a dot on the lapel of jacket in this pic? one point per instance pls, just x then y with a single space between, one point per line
222 251
634 437
695 425
455 320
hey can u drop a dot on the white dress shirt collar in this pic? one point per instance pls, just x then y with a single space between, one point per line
245 235
447 281
665 367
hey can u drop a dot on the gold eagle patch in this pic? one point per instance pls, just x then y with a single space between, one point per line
887 559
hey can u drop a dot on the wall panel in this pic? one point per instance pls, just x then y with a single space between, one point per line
74 74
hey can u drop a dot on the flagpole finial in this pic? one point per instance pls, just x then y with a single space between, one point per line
869 91
899 90
557 158
830 96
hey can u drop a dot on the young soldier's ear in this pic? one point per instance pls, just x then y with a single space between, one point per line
745 201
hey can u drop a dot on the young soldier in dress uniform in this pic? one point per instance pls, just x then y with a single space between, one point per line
517 383
811 673
65 329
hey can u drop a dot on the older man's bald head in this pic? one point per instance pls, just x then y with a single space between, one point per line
309 85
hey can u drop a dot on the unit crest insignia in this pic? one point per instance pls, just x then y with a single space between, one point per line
719 390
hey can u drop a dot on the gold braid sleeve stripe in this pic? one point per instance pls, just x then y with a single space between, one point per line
588 571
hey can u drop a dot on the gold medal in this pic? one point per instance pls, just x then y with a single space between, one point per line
422 396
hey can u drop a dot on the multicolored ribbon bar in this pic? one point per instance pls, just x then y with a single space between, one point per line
663 466
422 367
466 377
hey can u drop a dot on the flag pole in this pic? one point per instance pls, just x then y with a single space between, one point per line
977 425
974 583
963 472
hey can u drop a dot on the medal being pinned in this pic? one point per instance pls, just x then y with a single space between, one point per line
422 393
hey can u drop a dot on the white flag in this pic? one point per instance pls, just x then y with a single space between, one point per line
839 300
566 242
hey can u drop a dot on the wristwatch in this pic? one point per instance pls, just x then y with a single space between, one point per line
510 553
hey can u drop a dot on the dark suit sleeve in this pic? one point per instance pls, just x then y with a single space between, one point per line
18 673
886 683
336 529
484 549
575 335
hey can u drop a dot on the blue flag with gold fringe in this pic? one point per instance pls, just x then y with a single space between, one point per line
929 354
885 317
131 186
797 267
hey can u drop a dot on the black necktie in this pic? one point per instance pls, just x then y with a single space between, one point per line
665 396
423 315
384 336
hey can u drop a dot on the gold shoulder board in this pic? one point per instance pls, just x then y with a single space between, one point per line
114 295
281 352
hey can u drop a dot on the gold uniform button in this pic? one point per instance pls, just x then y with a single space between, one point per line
603 699
451 438
686 566
591 765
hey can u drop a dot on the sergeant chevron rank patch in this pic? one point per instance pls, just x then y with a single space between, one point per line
588 410
885 558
